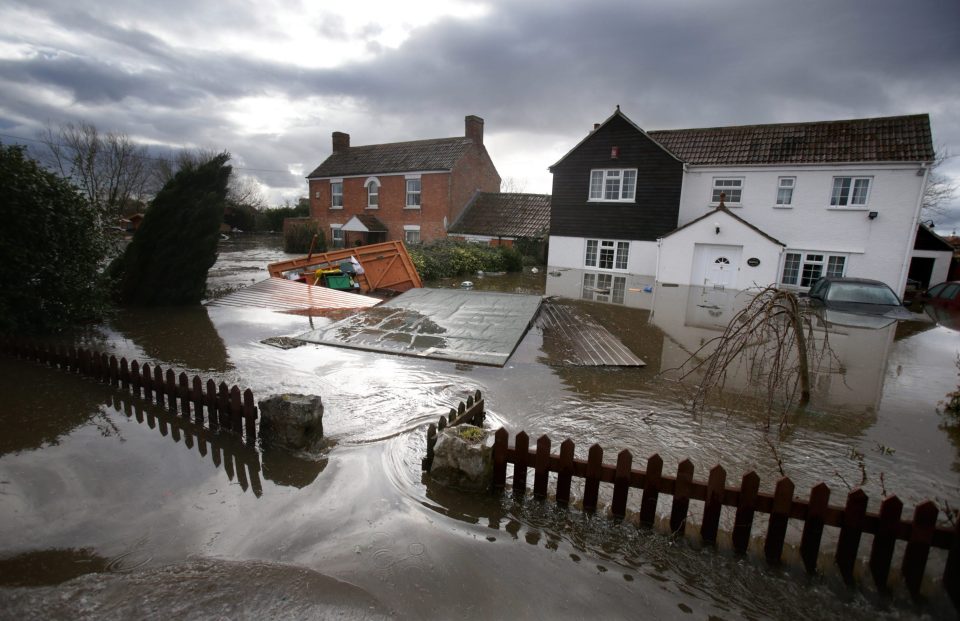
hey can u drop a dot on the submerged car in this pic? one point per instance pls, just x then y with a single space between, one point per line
946 294
858 296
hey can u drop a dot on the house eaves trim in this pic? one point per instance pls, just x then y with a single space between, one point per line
389 174
726 211
812 165
615 114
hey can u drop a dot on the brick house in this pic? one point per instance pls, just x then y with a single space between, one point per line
402 190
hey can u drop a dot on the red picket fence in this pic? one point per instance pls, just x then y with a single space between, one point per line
887 527
227 408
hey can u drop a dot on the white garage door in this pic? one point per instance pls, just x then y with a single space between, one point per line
716 266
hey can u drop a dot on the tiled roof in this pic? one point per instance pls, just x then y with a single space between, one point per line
726 210
886 139
394 157
505 214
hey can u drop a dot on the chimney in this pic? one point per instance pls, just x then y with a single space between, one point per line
473 128
596 126
341 142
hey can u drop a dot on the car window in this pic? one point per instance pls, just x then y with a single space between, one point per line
862 292
949 292
934 291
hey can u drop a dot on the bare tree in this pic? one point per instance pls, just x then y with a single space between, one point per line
110 169
513 185
940 188
242 190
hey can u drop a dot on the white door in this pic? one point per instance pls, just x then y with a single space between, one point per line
716 266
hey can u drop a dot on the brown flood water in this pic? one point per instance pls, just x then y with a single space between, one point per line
111 508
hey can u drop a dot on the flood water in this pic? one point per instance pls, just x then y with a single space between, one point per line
112 508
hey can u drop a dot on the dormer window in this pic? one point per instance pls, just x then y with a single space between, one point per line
373 193
613 184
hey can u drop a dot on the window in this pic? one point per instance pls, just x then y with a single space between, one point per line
411 234
603 288
336 236
413 193
803 269
373 194
850 191
606 254
317 194
613 185
336 195
732 187
785 187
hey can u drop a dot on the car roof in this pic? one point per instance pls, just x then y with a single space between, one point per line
867 281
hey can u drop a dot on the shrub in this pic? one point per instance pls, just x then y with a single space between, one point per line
298 235
449 258
51 249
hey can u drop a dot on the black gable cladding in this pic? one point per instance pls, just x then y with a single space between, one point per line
659 177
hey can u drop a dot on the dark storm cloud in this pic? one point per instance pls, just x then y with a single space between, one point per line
536 67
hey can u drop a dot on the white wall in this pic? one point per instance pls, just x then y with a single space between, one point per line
569 252
941 265
677 252
878 248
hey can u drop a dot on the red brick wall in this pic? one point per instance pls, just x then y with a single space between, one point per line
475 171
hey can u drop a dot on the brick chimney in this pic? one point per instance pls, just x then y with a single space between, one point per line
473 128
341 142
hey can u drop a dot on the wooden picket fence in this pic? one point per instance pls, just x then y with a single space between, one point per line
227 408
239 459
920 533
469 413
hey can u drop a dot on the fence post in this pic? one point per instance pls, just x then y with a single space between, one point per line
171 389
135 377
918 548
651 490
124 375
951 570
850 533
591 488
713 505
743 521
500 440
779 517
147 381
541 467
196 394
884 541
158 384
521 451
184 395
813 526
236 410
681 497
565 472
212 416
250 415
621 484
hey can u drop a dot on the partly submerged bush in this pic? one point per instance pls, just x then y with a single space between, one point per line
298 235
448 258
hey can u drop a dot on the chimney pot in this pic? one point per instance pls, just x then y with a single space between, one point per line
341 142
473 128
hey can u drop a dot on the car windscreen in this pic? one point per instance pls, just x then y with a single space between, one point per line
864 293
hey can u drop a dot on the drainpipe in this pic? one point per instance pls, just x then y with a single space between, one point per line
905 267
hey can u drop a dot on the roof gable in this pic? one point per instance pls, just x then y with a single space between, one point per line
884 139
725 210
501 214
927 239
616 114
394 157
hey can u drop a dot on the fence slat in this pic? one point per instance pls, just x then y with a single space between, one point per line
713 505
147 381
124 375
521 446
500 439
223 407
813 526
591 488
250 415
681 498
850 532
621 484
236 410
651 491
213 419
158 387
136 377
197 394
779 517
918 548
541 467
114 372
951 571
884 541
743 521
184 394
565 472
171 390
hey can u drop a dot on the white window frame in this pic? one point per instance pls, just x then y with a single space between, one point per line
617 250
715 190
336 191
334 229
788 185
372 184
818 261
601 178
412 193
317 194
411 228
849 194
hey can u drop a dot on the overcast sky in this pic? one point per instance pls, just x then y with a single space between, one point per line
270 80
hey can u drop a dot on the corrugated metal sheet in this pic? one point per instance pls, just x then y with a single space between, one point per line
290 296
580 340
